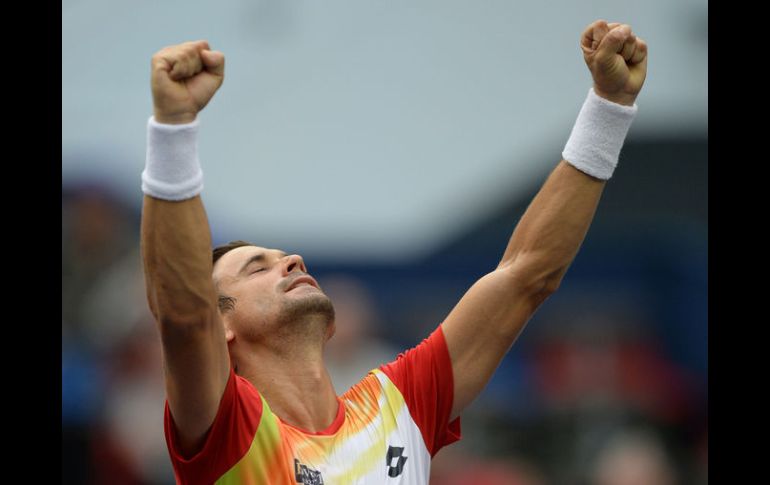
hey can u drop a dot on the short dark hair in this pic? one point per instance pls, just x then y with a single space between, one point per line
220 251
225 302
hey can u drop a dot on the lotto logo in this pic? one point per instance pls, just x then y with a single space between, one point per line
305 475
395 461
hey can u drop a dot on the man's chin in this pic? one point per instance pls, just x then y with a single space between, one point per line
303 306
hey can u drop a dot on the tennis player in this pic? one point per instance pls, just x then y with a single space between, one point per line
249 400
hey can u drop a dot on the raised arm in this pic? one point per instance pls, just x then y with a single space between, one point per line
490 316
176 241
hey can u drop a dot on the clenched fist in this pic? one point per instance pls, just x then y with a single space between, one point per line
617 59
184 79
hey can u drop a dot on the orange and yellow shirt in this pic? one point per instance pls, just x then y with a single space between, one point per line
387 429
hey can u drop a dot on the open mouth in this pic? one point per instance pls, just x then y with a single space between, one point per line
304 280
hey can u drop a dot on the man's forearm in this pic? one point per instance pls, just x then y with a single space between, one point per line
554 225
176 249
549 234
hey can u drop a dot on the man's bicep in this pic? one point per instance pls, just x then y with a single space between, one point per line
481 329
197 367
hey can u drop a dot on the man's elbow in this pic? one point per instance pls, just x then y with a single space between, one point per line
534 279
539 290
551 284
187 320
518 291
195 312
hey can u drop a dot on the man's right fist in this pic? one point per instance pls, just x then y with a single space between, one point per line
617 59
184 79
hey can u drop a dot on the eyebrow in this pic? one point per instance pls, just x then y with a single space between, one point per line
259 257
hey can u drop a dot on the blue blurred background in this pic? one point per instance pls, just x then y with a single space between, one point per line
395 145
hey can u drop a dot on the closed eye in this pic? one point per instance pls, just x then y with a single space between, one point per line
257 270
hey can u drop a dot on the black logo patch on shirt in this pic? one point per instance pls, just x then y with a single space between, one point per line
395 461
305 475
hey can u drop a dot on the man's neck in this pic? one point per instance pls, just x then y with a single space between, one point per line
295 384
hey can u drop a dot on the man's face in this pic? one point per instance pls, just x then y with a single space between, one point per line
271 290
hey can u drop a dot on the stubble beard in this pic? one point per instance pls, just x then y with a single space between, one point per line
297 313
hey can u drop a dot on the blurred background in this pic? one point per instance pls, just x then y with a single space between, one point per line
395 145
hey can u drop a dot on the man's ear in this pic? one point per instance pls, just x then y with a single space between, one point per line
330 330
229 334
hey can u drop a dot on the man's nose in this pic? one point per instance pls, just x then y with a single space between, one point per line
292 263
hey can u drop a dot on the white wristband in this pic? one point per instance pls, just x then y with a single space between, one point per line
172 170
598 135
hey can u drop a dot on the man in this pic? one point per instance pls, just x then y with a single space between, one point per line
248 396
